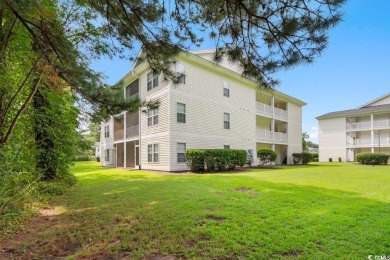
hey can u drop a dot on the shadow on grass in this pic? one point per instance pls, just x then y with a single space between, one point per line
137 217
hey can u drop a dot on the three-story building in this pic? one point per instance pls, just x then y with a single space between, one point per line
366 129
212 106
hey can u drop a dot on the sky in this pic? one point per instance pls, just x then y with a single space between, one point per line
352 71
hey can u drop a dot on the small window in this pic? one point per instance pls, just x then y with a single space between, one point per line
181 113
152 79
180 73
106 131
249 156
226 147
226 120
153 117
226 89
107 155
153 152
181 149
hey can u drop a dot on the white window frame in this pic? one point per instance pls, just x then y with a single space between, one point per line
181 73
226 120
226 89
153 153
153 117
180 112
152 80
106 131
180 152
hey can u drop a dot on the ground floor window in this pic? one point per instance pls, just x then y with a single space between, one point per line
181 149
106 155
153 151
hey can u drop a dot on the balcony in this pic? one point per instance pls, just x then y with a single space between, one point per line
266 110
359 126
380 124
268 136
366 142
132 131
118 135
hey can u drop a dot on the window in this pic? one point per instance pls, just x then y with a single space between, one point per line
226 147
180 73
106 155
249 156
181 112
153 117
226 89
106 131
152 79
181 148
226 120
153 153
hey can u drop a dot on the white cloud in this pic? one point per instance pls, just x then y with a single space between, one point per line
313 132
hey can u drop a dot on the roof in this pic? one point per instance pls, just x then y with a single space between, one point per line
375 100
357 111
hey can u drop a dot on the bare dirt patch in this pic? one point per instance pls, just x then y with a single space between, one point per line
247 190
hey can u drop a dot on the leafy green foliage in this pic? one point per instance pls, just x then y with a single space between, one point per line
372 158
214 159
266 156
195 159
304 157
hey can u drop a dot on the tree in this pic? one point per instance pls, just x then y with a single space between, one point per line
305 136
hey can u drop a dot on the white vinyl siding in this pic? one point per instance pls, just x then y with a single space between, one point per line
152 80
181 148
226 120
153 117
181 113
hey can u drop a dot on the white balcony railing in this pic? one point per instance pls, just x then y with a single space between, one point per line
268 136
366 142
385 123
264 109
132 131
359 126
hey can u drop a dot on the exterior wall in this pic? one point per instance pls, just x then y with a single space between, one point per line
294 130
332 139
205 107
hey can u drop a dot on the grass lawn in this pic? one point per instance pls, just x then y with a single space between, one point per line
322 211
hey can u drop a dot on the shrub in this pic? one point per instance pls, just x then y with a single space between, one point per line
195 159
304 157
266 156
372 158
297 157
214 159
84 158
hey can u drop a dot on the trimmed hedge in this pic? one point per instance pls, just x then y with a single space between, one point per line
266 156
214 159
372 158
84 158
304 157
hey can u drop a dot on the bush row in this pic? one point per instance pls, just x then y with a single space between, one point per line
266 156
372 158
84 158
304 157
214 159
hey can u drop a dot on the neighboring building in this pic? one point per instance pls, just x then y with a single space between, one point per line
212 107
343 134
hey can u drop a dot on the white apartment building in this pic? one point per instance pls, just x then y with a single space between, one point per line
366 129
212 107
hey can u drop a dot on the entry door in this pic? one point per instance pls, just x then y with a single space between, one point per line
137 155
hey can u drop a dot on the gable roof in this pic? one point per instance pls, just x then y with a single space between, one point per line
375 100
357 111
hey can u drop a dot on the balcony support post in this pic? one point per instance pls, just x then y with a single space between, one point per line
372 134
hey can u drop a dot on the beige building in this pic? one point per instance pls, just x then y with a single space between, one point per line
212 107
343 134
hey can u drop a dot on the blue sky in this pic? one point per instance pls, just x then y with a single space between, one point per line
353 70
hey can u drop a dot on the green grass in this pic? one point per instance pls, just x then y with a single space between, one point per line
322 211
